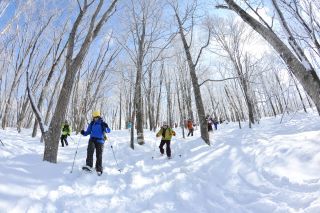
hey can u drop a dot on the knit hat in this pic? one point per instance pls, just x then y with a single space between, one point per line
95 114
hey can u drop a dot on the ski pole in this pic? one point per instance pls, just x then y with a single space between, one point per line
72 139
114 156
2 142
75 154
154 147
179 148
154 144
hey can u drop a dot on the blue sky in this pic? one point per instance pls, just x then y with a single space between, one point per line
8 13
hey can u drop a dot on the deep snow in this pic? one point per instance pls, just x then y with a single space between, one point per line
271 168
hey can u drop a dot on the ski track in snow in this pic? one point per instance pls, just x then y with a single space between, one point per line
272 168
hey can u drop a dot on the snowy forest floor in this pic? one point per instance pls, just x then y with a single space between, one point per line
272 167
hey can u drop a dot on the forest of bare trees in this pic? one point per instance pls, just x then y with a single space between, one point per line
148 61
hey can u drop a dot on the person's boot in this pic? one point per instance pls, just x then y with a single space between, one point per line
87 168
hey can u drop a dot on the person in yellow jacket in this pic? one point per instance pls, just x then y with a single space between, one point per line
66 131
166 132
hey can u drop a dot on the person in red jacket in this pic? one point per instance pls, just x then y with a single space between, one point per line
190 127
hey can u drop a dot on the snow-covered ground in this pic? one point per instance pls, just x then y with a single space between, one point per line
271 168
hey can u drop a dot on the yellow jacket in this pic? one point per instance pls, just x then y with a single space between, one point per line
167 135
66 129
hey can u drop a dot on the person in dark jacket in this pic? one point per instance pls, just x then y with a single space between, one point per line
215 123
66 131
96 129
209 122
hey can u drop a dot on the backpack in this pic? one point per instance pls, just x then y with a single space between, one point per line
103 125
65 128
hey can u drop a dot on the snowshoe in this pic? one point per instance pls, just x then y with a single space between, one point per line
87 169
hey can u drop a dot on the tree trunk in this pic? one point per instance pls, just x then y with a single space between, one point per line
300 96
306 75
51 137
182 118
138 105
120 113
158 100
45 88
195 84
52 98
169 101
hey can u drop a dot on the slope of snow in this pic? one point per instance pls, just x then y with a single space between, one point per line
271 168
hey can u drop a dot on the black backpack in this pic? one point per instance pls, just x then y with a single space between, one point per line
65 128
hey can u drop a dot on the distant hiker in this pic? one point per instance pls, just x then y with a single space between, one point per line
166 132
209 121
185 124
129 125
190 127
215 123
96 129
66 131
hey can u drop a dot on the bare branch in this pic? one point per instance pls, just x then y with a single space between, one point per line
203 47
80 8
220 6
217 80
34 107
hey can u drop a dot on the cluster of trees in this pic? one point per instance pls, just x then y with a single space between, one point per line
146 61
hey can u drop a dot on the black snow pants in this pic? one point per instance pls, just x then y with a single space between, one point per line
94 145
64 140
190 132
168 149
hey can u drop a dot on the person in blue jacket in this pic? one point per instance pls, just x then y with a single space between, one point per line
96 129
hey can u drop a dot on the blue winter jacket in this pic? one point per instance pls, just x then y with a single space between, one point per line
96 129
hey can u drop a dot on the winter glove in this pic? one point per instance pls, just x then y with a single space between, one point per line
82 132
108 130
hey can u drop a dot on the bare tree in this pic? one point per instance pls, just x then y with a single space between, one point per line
57 55
189 14
97 75
295 59
233 37
26 49
147 40
73 63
